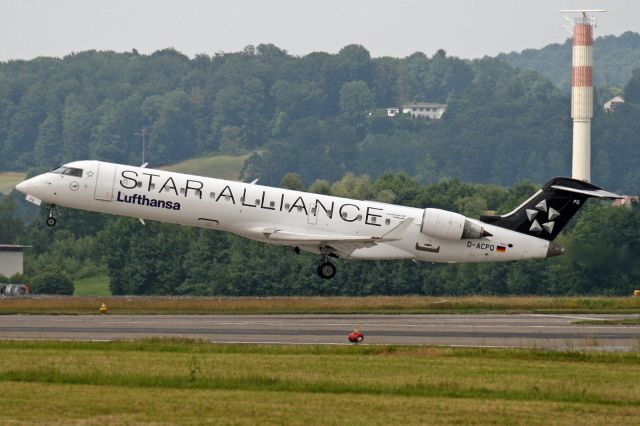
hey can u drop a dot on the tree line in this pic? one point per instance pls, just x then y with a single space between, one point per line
320 115
615 58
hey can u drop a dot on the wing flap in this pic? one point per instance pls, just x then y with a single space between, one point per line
295 237
342 245
328 239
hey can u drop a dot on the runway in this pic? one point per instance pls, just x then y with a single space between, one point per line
517 330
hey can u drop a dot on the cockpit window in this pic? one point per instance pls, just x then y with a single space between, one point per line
69 171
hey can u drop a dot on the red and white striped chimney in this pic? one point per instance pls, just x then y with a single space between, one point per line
582 97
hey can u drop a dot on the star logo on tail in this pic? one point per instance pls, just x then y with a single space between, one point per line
537 213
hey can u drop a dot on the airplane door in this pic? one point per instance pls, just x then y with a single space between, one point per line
312 219
105 181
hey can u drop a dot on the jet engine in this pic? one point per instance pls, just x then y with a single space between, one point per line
451 226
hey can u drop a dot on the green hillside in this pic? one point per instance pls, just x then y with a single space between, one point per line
8 180
615 57
216 166
92 286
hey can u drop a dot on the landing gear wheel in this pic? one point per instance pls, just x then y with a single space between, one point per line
327 270
51 221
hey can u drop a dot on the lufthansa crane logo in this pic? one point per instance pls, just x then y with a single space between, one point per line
74 186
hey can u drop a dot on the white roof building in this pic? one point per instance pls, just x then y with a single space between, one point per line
424 110
393 111
627 200
613 103
11 260
429 110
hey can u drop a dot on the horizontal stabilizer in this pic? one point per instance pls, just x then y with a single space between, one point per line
599 193
547 212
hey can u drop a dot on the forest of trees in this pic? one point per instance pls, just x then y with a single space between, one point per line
316 122
318 115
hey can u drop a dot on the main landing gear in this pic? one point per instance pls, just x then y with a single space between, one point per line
326 269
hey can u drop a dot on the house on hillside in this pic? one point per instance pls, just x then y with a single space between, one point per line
393 111
432 111
613 103
626 200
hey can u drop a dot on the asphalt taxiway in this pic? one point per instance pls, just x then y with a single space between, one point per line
517 330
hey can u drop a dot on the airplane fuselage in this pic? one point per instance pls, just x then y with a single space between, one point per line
260 212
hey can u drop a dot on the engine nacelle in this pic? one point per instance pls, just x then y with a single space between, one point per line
451 226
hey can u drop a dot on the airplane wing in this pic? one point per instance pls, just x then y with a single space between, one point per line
343 245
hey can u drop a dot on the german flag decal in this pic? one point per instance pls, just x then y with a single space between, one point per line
501 249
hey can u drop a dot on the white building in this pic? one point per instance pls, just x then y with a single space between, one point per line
424 110
11 259
627 200
613 103
393 111
419 110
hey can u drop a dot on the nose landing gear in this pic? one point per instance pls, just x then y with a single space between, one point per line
51 220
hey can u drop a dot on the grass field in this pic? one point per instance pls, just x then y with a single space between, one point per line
92 286
8 180
625 321
179 381
216 166
302 305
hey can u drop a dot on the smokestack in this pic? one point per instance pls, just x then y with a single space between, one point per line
582 98
582 93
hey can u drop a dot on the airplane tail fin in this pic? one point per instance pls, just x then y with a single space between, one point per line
547 212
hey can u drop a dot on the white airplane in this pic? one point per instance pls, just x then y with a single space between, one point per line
321 224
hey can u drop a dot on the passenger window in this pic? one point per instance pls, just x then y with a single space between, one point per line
272 204
181 191
257 202
152 186
387 221
139 184
286 206
212 195
359 217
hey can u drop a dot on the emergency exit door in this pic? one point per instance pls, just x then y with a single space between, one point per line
105 181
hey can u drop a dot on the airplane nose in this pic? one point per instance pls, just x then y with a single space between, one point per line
24 186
